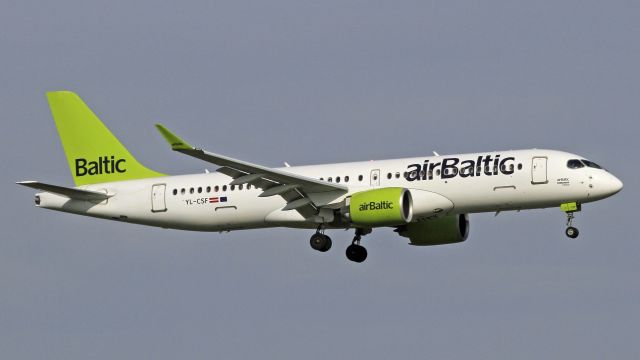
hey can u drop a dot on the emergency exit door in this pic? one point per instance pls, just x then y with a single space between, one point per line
158 203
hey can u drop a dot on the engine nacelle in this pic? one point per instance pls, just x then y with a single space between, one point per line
381 207
445 230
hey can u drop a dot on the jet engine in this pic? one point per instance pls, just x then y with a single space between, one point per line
439 231
381 207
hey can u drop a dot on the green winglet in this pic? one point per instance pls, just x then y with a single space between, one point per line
174 140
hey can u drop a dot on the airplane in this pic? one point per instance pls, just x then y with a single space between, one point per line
426 199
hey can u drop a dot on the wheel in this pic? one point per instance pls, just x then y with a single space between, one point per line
572 232
356 253
320 242
327 244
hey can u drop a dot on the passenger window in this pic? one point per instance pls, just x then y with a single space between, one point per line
437 172
182 191
346 178
224 187
191 191
321 179
330 179
360 177
233 187
216 188
248 186
519 166
389 175
337 179
240 187
511 167
175 191
200 190
208 189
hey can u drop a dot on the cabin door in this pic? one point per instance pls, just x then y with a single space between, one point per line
158 203
539 170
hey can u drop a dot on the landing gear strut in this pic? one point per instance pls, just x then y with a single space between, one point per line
571 231
355 251
319 241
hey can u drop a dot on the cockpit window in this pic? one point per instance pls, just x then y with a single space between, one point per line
591 164
574 164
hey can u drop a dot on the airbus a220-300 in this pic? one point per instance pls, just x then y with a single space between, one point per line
426 199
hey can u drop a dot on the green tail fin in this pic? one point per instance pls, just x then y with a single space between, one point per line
94 154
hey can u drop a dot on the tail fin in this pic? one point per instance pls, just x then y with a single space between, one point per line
94 154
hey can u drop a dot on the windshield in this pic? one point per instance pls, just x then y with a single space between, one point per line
574 164
591 164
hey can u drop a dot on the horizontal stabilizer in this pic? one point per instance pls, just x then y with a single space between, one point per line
71 193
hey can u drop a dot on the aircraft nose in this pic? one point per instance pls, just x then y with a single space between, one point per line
603 185
615 185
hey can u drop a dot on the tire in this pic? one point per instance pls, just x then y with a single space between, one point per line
356 253
320 242
572 232
327 244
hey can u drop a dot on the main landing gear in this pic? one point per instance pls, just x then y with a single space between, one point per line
319 241
570 209
355 252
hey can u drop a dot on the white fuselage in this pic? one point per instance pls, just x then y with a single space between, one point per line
452 184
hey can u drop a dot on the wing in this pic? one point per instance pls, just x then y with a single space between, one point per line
72 193
303 194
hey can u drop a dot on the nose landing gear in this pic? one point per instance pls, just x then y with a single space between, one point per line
570 209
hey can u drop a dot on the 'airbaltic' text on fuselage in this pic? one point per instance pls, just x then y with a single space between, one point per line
451 167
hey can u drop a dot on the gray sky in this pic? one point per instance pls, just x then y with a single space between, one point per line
313 82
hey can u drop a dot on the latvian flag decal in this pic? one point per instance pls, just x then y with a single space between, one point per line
218 199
